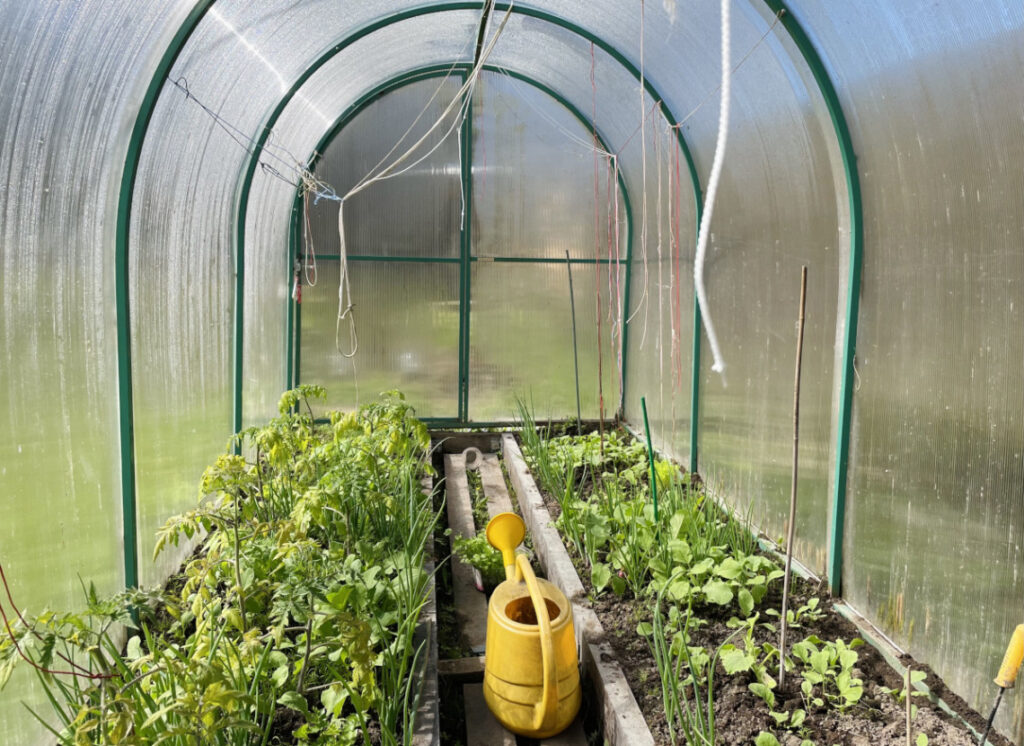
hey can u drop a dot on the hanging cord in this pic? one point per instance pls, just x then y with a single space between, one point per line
709 203
308 249
345 305
643 181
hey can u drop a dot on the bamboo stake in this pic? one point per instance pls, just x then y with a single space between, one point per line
792 493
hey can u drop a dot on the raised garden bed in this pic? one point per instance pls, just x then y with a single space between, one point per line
306 617
690 596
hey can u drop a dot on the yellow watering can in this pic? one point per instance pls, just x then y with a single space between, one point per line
531 674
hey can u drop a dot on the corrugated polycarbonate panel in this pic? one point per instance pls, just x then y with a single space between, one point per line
62 155
778 208
539 189
935 514
407 323
417 211
521 340
429 40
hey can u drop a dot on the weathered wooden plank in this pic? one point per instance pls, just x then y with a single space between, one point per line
464 670
470 604
571 736
493 481
482 729
451 442
427 728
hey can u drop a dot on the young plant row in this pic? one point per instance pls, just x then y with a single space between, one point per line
683 559
296 621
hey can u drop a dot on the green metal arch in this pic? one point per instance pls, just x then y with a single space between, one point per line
439 7
434 71
129 513
849 156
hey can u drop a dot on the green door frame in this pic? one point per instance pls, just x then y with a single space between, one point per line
466 257
364 31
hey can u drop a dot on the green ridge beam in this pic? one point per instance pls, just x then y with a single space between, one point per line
129 508
842 129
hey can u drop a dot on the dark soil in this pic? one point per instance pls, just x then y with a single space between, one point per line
877 720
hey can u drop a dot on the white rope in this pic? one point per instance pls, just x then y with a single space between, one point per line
709 202
463 100
345 305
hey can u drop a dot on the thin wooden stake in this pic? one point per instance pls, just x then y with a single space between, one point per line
575 354
906 688
792 493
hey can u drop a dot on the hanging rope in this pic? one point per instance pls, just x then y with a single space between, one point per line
709 203
345 305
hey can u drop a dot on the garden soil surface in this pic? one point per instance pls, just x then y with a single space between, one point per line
877 720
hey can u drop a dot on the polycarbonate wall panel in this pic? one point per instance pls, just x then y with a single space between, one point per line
429 40
416 212
407 320
659 353
71 76
539 191
521 340
935 513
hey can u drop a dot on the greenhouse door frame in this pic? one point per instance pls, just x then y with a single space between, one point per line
466 257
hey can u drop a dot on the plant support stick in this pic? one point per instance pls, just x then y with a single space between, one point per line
575 353
650 457
906 688
792 493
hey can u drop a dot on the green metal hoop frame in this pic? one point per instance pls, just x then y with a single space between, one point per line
465 258
126 193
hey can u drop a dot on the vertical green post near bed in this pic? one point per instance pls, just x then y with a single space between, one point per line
839 123
466 248
122 280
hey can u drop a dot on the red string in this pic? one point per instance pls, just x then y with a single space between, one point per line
81 673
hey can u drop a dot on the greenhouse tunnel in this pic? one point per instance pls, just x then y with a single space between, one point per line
176 173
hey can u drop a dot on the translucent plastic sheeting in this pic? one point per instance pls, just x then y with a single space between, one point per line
660 319
780 143
539 190
432 39
521 341
935 513
413 214
61 155
182 290
408 323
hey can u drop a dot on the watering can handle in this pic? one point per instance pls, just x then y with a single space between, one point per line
547 709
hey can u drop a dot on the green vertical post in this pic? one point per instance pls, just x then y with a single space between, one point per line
122 289
695 380
466 254
292 332
626 292
839 123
